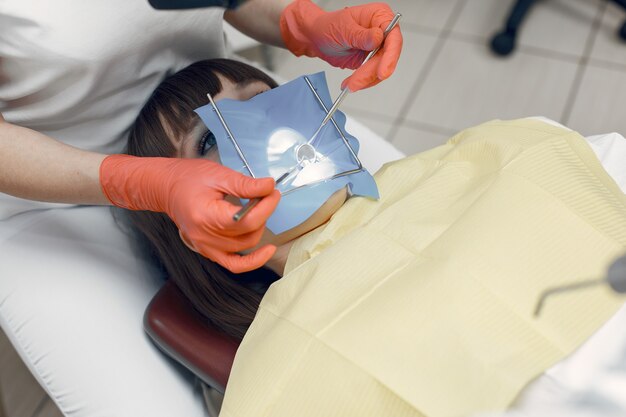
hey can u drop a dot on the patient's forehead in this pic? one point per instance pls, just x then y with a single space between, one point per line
187 147
244 90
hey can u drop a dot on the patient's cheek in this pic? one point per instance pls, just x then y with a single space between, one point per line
321 216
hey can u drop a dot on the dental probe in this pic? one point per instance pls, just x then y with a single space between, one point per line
345 91
615 277
254 201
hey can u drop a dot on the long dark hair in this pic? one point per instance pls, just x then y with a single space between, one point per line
228 301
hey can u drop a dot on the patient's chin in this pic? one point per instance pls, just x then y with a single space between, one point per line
321 216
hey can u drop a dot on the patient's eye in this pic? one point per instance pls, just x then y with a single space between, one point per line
206 143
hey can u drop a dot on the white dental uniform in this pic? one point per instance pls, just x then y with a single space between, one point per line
80 71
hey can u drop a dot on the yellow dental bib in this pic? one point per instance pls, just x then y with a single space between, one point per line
421 304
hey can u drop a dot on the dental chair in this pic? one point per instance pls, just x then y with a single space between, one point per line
179 331
81 334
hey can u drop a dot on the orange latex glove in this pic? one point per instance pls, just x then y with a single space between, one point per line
191 192
343 39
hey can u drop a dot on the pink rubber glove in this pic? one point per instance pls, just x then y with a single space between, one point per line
191 192
343 39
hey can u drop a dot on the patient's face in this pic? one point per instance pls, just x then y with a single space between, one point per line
201 144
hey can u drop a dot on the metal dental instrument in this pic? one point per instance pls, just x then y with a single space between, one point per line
305 154
345 91
615 277
254 201
343 138
230 135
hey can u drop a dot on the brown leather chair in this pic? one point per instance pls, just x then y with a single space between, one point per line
178 330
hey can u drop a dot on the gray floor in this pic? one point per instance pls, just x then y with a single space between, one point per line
21 394
570 66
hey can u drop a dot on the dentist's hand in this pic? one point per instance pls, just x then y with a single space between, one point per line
191 192
343 38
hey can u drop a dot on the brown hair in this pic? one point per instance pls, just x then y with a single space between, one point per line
228 301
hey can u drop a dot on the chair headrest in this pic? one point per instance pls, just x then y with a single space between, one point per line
179 331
